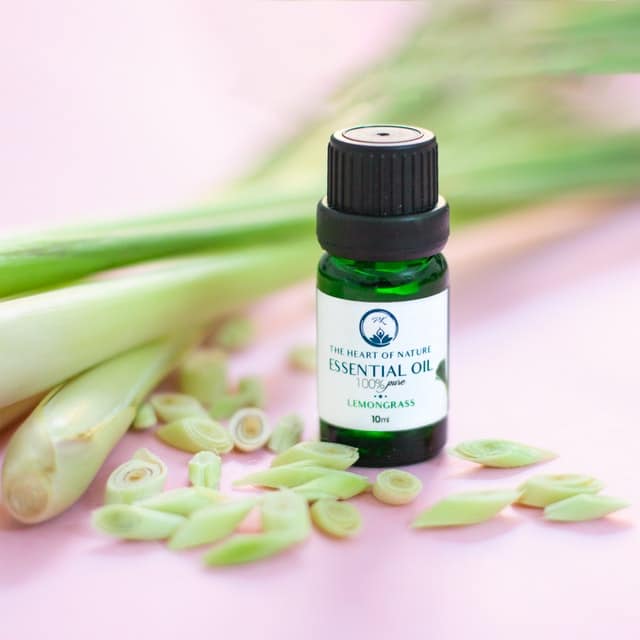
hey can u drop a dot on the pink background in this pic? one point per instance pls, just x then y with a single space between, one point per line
124 109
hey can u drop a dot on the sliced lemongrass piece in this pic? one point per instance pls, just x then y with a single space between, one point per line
204 470
252 391
466 508
393 486
286 433
325 454
226 406
248 547
145 417
542 490
235 334
501 453
183 501
196 434
141 477
133 522
203 375
249 429
285 476
339 519
210 524
175 406
339 484
303 358
584 506
286 512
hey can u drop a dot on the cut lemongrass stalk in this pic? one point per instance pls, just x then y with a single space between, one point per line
303 358
204 470
470 507
175 406
183 501
338 519
141 477
339 484
211 524
501 453
145 417
582 507
235 334
249 547
252 391
249 429
543 490
226 406
393 486
286 512
133 522
286 433
196 434
325 454
203 375
283 477
55 454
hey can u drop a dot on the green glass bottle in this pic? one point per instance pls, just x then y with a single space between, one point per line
382 301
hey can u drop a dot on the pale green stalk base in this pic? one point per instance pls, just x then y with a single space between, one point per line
283 477
339 484
249 429
132 522
235 334
338 519
204 470
249 547
183 501
584 506
145 417
196 434
501 453
211 524
203 375
286 433
303 358
396 487
542 490
175 406
466 508
325 454
141 477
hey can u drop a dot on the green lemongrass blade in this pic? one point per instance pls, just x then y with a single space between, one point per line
249 429
303 358
141 477
501 453
393 486
211 524
466 508
132 522
203 375
204 470
286 512
543 490
249 547
235 334
339 484
584 506
12 413
145 417
286 432
55 454
284 477
338 519
48 337
183 501
175 406
196 434
325 454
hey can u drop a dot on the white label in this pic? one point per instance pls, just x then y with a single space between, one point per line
382 365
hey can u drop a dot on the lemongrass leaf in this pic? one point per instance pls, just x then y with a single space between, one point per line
141 477
283 477
145 417
543 490
582 507
501 453
204 470
393 486
325 454
196 434
132 522
175 406
203 375
286 432
249 429
248 547
338 519
339 484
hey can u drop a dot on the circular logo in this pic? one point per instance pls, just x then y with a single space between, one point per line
378 327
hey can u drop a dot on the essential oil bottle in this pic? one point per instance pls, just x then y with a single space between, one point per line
382 299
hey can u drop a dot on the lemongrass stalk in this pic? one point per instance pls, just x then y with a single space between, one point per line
145 417
141 477
396 487
196 434
204 470
52 458
582 507
11 414
183 501
543 490
501 453
324 454
283 477
286 432
132 522
211 524
235 334
203 375
251 393
339 484
46 338
303 358
175 406
249 429
249 547
338 519
286 512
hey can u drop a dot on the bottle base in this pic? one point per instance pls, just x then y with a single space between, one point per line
390 448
